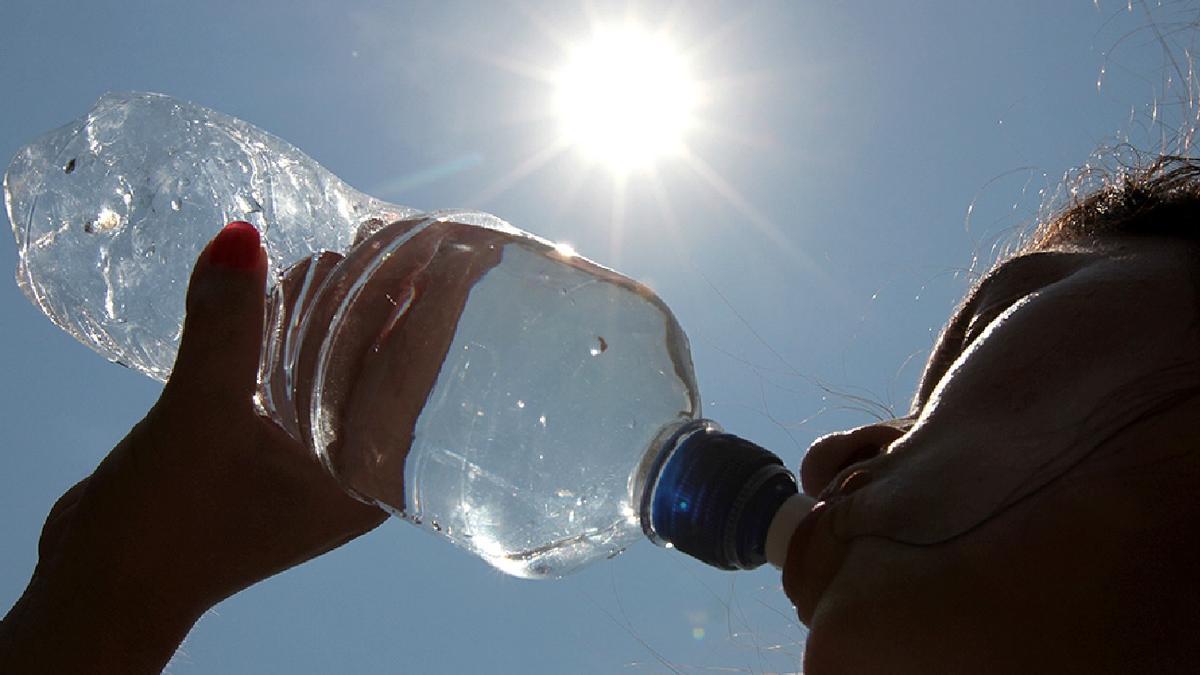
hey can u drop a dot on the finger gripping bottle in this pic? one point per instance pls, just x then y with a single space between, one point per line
535 408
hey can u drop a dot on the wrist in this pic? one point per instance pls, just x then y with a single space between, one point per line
71 620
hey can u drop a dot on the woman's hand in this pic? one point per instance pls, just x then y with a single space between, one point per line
203 498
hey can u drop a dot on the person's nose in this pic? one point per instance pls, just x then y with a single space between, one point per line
830 455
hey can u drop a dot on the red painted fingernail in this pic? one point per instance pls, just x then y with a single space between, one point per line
236 247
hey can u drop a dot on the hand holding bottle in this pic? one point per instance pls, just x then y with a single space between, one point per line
203 498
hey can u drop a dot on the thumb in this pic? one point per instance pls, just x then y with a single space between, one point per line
222 332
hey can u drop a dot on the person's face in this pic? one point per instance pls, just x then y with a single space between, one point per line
1038 511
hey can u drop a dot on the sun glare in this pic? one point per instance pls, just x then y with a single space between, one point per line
628 99
625 99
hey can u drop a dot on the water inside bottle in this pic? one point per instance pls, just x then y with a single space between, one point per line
546 380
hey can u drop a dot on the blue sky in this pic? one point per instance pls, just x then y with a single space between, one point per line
814 243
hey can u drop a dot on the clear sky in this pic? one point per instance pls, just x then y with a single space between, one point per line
812 240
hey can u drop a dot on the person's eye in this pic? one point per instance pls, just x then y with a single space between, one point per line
991 311
1010 284
1015 281
982 319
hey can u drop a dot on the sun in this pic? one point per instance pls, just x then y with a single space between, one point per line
625 98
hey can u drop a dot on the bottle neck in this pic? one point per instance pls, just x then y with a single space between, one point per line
783 526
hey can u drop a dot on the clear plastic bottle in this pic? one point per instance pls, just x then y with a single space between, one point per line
534 407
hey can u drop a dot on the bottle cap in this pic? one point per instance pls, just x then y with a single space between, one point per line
716 496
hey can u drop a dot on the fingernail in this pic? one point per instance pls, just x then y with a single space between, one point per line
237 247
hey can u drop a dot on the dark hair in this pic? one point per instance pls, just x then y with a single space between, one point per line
1159 198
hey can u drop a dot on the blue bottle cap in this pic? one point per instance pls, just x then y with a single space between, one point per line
716 496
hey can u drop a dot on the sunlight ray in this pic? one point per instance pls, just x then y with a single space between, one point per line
714 38
744 79
487 54
513 65
543 26
765 374
593 15
667 212
620 184
396 187
765 226
672 17
504 183
564 198
742 137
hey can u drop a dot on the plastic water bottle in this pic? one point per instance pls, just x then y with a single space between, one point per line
556 416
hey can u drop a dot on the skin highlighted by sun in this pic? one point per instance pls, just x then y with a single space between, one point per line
625 99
